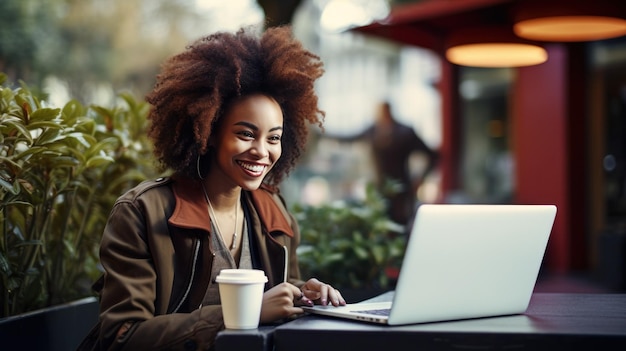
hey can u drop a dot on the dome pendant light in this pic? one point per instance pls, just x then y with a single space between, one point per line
570 20
492 46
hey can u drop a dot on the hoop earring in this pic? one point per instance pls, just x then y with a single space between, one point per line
198 168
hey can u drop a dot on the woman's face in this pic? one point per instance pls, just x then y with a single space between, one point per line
248 143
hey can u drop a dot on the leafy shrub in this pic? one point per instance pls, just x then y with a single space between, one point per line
61 170
349 244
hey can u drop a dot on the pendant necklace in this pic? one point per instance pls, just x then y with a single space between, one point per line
212 214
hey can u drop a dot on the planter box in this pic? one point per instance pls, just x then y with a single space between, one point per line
57 328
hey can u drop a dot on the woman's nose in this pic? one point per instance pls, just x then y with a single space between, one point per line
260 149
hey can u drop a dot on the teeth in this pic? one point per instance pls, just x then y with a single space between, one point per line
252 168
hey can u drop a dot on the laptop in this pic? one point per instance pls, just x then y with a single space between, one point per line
462 262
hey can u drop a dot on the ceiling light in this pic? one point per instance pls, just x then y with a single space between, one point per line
570 20
492 47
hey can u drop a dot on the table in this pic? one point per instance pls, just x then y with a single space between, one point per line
552 322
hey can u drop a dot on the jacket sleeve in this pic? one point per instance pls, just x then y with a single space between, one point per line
129 310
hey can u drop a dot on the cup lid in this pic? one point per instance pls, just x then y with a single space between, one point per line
241 276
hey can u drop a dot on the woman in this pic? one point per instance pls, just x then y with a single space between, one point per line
230 117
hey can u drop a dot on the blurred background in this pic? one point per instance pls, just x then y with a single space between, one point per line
90 50
549 133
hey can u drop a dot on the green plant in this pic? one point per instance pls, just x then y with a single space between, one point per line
61 170
351 244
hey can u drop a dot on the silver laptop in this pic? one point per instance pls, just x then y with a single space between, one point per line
461 262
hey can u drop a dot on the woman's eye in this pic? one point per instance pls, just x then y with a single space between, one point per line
246 134
275 139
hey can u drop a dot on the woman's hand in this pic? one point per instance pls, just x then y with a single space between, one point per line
322 294
282 301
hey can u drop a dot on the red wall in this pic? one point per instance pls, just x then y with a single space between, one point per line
540 146
548 144
449 150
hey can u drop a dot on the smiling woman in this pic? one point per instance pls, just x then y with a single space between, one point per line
230 118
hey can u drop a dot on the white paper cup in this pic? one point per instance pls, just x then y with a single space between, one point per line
241 293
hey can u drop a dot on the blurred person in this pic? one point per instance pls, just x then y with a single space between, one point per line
392 144
229 117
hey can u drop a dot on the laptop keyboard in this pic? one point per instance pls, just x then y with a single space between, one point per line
377 312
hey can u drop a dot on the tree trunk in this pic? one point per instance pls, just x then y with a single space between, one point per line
278 12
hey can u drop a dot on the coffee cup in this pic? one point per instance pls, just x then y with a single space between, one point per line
241 293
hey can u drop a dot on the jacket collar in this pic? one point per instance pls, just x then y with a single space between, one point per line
191 210
272 216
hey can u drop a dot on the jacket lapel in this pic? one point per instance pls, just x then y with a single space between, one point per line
272 217
191 210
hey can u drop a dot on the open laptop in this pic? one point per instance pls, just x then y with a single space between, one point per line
461 262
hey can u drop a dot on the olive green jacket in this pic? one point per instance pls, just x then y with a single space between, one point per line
157 259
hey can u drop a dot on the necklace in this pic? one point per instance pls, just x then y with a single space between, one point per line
212 214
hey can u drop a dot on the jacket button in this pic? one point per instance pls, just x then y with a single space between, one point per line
190 345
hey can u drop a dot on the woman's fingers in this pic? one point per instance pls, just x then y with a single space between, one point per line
311 294
336 298
324 293
281 301
300 298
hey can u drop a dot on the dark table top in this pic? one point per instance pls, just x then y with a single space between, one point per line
552 321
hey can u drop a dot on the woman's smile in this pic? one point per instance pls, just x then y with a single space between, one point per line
253 169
